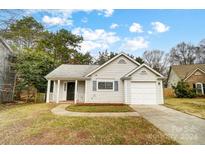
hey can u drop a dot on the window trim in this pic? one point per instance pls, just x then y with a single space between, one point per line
202 88
106 89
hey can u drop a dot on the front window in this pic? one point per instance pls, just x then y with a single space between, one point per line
199 89
105 85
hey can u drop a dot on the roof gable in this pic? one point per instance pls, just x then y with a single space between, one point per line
183 71
109 61
141 66
198 69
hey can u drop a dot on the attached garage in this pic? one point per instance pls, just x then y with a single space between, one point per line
143 85
143 93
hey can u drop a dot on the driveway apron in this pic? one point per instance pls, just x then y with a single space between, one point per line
183 128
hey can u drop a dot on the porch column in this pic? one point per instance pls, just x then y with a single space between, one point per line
58 91
76 89
48 91
54 91
125 91
85 99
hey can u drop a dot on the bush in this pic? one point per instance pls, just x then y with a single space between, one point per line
182 90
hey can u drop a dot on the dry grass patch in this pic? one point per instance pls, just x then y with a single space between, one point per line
35 124
192 106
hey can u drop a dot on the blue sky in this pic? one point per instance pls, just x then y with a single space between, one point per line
131 31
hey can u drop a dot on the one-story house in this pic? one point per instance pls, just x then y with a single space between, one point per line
193 74
119 80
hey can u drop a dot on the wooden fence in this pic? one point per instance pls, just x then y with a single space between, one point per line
169 92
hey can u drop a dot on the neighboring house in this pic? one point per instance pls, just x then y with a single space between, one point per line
7 75
193 74
119 80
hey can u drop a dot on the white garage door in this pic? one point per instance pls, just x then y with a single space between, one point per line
143 93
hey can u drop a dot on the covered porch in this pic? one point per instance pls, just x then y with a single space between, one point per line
64 91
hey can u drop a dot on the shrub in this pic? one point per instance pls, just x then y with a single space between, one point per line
183 90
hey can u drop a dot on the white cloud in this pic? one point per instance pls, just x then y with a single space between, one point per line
64 17
136 27
159 27
56 21
53 12
106 12
114 26
134 44
95 39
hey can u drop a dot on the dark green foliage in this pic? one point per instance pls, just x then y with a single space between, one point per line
139 60
183 90
104 57
62 45
80 58
32 66
40 51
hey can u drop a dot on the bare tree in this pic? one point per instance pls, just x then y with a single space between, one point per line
183 53
8 17
156 59
201 52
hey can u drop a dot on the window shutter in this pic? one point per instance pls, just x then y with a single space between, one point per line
116 85
204 88
94 85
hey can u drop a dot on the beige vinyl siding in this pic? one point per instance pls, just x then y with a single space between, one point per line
63 93
138 76
81 92
173 79
112 71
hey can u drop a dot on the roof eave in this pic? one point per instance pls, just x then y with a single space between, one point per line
67 78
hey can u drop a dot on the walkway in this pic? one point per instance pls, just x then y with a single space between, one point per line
60 110
183 128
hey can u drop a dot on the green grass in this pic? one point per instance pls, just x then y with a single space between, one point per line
192 106
35 124
99 108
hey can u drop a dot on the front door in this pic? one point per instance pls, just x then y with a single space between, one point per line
70 90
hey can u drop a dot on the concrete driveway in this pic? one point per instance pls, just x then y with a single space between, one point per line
183 128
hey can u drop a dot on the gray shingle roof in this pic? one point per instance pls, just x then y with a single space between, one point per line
68 71
183 71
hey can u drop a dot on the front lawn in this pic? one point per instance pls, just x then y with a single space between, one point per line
193 106
35 124
99 108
